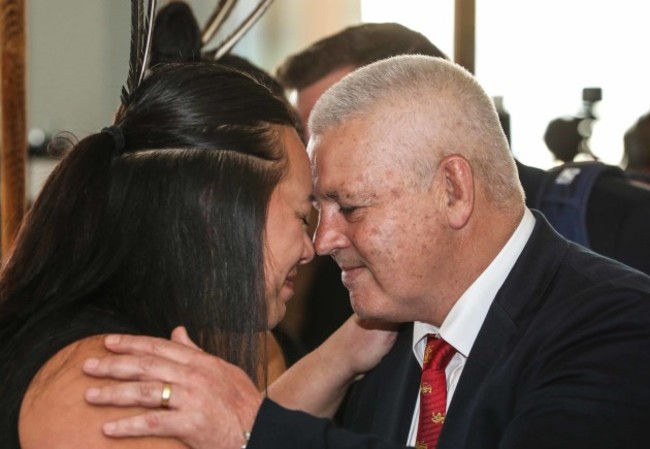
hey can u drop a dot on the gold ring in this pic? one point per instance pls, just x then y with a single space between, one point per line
166 395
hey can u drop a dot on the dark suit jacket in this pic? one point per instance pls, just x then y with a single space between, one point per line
561 361
618 216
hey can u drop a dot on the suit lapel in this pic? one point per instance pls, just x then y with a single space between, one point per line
398 384
494 334
521 293
383 402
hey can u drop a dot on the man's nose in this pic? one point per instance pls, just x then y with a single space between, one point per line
329 235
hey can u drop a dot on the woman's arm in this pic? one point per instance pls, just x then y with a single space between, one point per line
318 382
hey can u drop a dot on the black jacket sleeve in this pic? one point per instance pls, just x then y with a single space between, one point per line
278 428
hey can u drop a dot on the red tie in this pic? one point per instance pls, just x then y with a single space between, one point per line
433 392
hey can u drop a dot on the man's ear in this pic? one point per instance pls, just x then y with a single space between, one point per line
459 189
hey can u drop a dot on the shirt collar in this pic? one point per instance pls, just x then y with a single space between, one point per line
466 317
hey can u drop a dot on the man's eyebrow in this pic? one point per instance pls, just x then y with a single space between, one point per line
336 196
331 195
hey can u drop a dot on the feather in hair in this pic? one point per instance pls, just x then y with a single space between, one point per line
234 37
141 31
219 16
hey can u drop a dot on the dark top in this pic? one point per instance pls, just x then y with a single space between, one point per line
35 350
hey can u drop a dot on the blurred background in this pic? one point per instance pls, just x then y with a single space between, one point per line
536 56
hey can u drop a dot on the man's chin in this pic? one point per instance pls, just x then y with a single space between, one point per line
363 308
373 307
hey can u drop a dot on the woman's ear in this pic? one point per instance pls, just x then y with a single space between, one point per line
459 189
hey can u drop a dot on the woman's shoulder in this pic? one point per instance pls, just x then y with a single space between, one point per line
55 415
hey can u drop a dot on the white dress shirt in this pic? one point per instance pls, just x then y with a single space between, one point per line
466 317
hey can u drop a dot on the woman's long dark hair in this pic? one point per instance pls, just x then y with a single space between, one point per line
168 231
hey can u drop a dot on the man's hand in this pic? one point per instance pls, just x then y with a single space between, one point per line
212 402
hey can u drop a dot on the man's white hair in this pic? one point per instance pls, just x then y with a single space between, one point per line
446 110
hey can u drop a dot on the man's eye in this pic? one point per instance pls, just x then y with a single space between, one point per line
305 221
347 210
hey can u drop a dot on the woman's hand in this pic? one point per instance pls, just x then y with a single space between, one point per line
360 344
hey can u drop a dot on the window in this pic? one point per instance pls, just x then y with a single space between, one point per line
540 55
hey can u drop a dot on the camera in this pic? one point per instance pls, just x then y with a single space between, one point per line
592 94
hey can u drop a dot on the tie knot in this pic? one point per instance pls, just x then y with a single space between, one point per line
437 354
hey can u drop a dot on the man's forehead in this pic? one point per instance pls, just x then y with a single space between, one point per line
341 182
334 164
340 143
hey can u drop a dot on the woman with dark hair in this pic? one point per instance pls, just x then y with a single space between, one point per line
176 37
190 210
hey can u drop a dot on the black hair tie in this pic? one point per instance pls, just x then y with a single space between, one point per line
118 137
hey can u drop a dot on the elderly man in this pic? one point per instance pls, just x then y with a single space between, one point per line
525 339
610 218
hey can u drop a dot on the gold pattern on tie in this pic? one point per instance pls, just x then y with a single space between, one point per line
427 355
438 418
433 392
